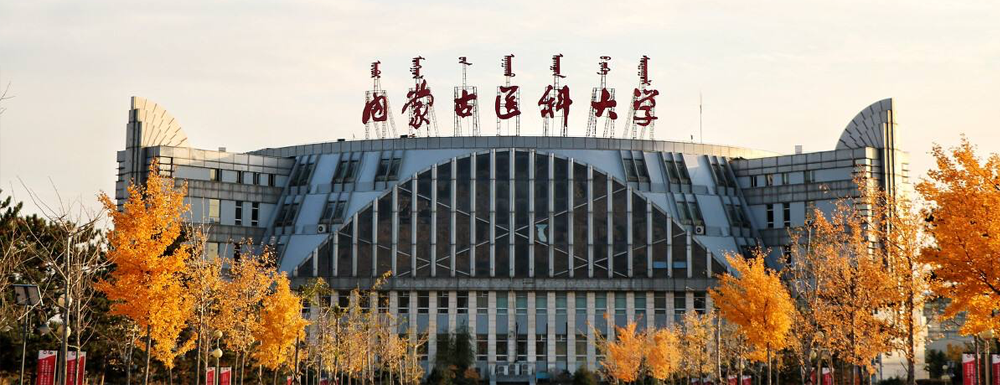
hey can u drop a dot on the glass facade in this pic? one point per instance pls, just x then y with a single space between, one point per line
516 214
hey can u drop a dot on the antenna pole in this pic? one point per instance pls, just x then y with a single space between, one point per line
701 131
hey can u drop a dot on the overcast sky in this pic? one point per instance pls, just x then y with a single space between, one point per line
253 74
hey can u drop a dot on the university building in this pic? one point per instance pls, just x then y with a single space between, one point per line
523 241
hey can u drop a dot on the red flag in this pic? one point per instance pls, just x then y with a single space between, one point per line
968 369
46 367
224 374
210 376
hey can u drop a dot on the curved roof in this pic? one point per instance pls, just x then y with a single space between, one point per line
659 236
157 126
868 128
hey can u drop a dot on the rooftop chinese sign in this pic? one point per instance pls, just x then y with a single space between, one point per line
554 103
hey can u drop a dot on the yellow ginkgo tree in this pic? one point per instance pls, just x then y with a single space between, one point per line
756 300
149 255
281 325
623 356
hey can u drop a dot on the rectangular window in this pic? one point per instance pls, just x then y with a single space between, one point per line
699 302
809 176
769 180
254 213
213 210
256 178
770 216
753 181
302 174
388 167
239 177
238 215
270 179
680 306
333 212
634 163
346 171
660 309
215 175
784 178
786 214
423 302
286 217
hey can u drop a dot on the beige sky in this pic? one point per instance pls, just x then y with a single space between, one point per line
253 74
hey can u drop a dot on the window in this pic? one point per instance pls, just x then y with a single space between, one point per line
753 181
809 176
286 217
676 170
215 175
254 213
239 211
690 213
660 309
635 166
213 210
333 212
786 214
784 178
736 216
721 178
680 306
770 216
239 177
302 174
769 180
699 302
462 302
388 167
256 178
346 171
270 179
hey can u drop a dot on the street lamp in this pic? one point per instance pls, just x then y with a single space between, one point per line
27 296
217 353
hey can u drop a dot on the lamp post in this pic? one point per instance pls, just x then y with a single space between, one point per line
987 336
27 296
217 353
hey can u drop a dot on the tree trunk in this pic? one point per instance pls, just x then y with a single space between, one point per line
149 341
769 366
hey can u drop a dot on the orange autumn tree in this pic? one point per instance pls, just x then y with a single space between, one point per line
662 353
149 254
756 301
241 302
281 324
623 356
963 196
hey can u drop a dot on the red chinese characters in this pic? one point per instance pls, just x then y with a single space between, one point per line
419 101
464 104
605 102
509 108
553 100
643 104
375 109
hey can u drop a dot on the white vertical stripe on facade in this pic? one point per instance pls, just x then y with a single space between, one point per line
395 227
434 213
531 214
493 212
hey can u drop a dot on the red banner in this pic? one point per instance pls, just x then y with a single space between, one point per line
996 369
288 380
968 369
76 368
46 374
210 376
225 373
